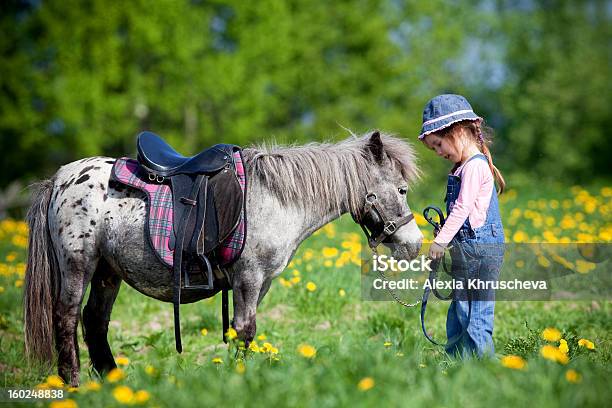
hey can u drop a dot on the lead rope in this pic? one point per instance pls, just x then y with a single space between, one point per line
391 292
436 263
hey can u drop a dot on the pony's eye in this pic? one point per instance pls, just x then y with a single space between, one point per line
402 190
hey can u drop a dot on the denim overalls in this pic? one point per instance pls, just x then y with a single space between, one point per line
477 253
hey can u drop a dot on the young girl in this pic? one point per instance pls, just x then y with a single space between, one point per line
473 230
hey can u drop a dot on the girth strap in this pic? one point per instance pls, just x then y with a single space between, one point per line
184 206
225 314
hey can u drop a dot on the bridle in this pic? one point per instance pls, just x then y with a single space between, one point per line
375 223
378 228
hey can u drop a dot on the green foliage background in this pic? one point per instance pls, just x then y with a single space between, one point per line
81 78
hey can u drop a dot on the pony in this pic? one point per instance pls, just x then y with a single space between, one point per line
87 231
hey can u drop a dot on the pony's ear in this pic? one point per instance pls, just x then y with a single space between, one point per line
375 146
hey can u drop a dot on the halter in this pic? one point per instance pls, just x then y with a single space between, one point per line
375 224
377 228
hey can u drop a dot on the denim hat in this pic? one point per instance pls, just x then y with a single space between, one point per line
444 110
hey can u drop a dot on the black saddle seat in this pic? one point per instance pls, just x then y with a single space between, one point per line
160 158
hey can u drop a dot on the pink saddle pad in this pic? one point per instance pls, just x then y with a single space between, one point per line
161 216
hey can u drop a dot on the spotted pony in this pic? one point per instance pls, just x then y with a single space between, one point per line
86 230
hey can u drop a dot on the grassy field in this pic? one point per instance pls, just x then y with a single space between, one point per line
320 345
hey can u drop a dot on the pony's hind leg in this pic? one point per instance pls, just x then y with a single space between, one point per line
96 315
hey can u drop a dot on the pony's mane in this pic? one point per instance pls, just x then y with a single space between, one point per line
325 172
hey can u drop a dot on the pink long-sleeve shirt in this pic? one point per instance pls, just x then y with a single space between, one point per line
473 201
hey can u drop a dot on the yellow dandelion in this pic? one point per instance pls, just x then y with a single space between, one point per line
55 381
520 263
329 230
231 333
306 350
116 374
268 348
150 370
549 352
552 353
67 403
240 367
284 282
330 252
365 384
92 386
1 289
295 272
141 396
311 287
420 220
217 360
605 234
543 261
590 206
308 254
568 222
342 293
573 376
19 283
328 263
586 343
261 337
122 361
295 280
519 236
11 257
20 241
20 269
551 334
123 394
563 346
254 347
204 332
514 362
584 266
387 344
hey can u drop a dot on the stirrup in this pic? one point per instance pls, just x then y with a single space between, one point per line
208 276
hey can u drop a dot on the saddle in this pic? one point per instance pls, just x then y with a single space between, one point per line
205 226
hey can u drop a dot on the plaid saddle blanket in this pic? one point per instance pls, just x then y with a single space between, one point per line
160 215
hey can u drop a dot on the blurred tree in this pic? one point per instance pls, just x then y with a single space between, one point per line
82 78
556 101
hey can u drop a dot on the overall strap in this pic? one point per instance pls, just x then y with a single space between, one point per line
476 156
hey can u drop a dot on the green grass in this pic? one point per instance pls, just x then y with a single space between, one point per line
349 335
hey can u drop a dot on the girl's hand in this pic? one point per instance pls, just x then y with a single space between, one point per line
436 251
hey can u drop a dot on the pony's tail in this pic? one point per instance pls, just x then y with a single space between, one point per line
40 278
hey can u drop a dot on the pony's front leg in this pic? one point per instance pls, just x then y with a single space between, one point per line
246 293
